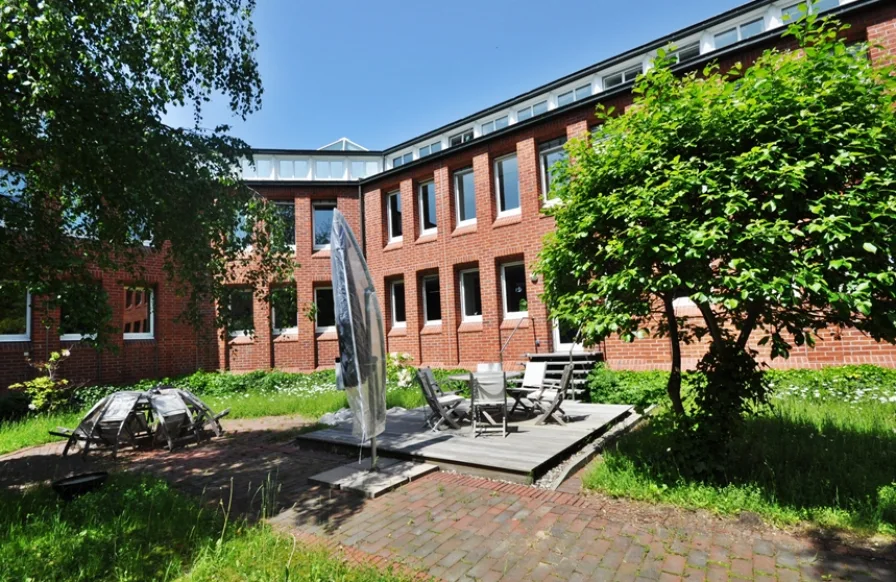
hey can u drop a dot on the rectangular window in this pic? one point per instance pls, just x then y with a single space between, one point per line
396 292
240 306
300 169
432 300
284 169
329 169
427 205
431 149
583 91
360 169
287 213
795 12
461 138
752 28
15 312
550 153
470 296
263 168
465 196
323 222
565 98
513 288
284 310
507 185
73 323
532 111
726 38
139 313
325 314
626 76
495 125
393 215
402 160
540 108
687 53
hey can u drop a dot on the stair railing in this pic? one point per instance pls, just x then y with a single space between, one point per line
510 337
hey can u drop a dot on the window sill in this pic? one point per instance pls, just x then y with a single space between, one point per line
286 335
427 238
507 220
398 331
326 335
393 246
470 327
139 338
320 253
72 337
511 322
463 229
14 339
431 329
240 340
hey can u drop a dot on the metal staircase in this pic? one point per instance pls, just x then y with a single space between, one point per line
583 363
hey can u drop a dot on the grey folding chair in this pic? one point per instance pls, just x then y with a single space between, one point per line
532 385
489 392
442 409
549 401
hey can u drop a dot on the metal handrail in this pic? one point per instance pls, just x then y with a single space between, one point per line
510 337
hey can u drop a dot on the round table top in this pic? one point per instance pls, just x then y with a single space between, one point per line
466 377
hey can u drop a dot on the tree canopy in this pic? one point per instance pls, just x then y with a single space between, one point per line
84 152
764 193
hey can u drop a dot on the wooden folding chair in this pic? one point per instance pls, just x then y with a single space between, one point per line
549 401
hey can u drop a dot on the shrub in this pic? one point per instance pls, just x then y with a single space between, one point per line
13 405
642 389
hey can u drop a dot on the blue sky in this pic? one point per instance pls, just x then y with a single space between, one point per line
383 72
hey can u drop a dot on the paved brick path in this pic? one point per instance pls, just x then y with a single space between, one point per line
456 527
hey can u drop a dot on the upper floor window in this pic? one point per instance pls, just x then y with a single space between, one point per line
687 53
470 296
287 213
240 307
323 221
139 313
549 153
402 160
362 169
15 312
565 98
507 185
465 196
625 76
513 290
494 125
329 169
796 11
738 33
461 138
431 149
583 91
532 111
325 309
396 293
427 199
75 323
284 310
432 300
393 215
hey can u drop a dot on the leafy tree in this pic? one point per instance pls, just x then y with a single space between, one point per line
84 152
765 194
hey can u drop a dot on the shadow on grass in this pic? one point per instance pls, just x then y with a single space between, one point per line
827 465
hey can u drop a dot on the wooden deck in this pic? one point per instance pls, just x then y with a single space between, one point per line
526 454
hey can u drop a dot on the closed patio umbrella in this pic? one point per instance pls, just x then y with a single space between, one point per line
361 369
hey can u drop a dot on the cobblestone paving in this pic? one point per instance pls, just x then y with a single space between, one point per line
463 528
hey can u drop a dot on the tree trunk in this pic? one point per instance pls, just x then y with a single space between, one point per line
674 385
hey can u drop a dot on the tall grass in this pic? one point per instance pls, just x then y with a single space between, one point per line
820 460
138 528
34 430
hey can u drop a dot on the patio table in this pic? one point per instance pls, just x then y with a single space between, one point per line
518 393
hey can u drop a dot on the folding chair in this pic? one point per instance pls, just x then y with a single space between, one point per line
442 409
489 393
532 385
548 402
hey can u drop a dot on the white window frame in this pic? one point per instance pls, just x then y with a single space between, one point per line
284 330
242 332
314 206
588 86
571 93
463 303
545 171
737 26
323 328
294 213
427 231
498 184
531 109
401 159
624 71
426 319
390 238
151 334
689 46
428 149
395 323
460 134
19 337
512 314
469 221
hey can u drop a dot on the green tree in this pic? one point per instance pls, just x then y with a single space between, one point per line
765 194
90 176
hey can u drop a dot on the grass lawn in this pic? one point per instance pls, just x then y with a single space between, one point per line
138 528
247 396
823 455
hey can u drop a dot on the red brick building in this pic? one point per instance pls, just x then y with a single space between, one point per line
451 222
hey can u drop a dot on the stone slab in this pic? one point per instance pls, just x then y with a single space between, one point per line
358 477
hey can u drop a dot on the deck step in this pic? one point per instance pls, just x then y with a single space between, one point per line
583 363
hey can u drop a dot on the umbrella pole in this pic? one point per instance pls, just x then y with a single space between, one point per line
373 458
